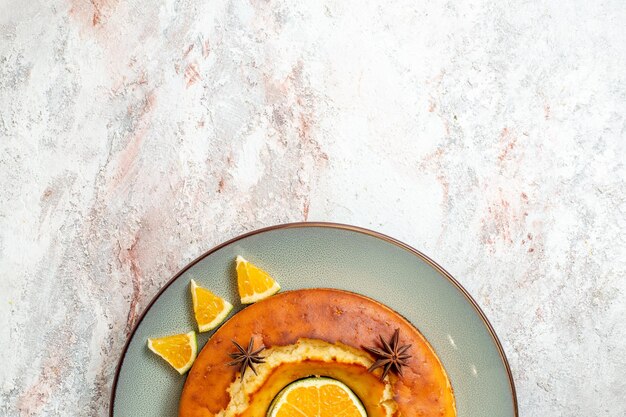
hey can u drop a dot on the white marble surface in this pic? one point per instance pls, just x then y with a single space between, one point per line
137 134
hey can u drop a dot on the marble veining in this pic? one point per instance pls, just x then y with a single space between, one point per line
137 134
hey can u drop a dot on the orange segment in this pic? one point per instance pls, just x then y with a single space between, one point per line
335 401
178 350
304 399
209 309
317 397
254 283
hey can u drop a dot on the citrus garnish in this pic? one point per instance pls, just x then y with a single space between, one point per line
178 350
316 397
209 309
254 283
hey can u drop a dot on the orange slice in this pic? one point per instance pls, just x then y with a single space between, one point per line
317 397
254 283
209 309
178 350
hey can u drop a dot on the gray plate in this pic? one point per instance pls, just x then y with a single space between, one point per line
306 255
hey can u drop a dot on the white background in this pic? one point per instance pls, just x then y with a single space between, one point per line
137 134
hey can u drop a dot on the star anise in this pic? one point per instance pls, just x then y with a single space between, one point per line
392 356
246 358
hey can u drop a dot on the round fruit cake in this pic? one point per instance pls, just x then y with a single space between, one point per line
381 357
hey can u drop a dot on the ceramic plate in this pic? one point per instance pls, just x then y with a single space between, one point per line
309 255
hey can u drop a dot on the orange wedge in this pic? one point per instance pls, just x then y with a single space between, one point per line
254 283
178 350
317 397
209 309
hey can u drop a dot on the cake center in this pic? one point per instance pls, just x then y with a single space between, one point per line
316 397
291 366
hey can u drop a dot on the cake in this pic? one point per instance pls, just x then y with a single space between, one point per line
317 332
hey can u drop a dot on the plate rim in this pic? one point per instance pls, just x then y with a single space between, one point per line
328 225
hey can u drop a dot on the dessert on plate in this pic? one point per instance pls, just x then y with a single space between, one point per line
317 352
